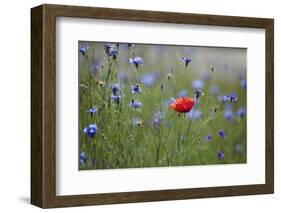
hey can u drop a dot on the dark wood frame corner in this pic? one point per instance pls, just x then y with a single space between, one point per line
43 105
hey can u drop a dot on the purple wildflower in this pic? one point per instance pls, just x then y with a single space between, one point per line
183 93
82 158
136 61
92 111
208 138
220 155
222 133
233 97
116 98
136 89
241 112
91 130
228 114
186 60
149 79
194 114
198 84
135 104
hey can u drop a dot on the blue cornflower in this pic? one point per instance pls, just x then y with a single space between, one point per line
149 79
116 98
194 114
183 93
233 97
198 93
113 53
222 133
186 60
223 98
135 104
208 138
198 84
241 112
136 89
214 90
220 155
82 158
107 48
111 50
228 114
91 130
136 61
92 111
83 49
115 88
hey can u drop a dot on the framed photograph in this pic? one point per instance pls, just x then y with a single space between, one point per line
136 106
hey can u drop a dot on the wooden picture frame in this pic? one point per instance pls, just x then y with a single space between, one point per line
43 105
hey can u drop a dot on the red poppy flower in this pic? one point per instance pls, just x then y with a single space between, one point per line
184 104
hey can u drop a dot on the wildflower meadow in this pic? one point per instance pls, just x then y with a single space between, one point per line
147 105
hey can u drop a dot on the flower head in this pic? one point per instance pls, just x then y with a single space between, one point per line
186 60
169 76
82 158
243 83
208 138
136 61
136 89
116 98
83 49
183 105
222 133
198 84
228 114
113 53
241 112
111 50
198 94
149 79
108 47
233 97
223 98
183 93
135 104
91 130
92 111
115 89
194 114
157 118
220 155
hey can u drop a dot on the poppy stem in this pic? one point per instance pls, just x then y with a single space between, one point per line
188 130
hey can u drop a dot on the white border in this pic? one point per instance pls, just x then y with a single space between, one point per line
70 181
